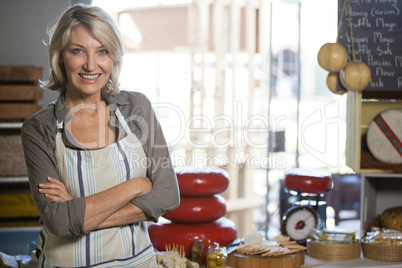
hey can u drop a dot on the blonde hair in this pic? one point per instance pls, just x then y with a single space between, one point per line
102 27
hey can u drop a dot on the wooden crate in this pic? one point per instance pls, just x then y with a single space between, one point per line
20 73
22 93
378 193
360 113
12 162
17 206
18 210
19 92
17 111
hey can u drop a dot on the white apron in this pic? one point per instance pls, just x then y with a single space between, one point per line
88 172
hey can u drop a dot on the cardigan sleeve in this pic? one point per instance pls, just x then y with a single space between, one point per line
63 219
164 195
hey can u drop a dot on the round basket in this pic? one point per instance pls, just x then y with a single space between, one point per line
382 252
333 252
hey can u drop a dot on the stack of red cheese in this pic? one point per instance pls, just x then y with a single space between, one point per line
200 214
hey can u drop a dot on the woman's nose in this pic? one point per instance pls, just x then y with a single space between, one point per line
90 63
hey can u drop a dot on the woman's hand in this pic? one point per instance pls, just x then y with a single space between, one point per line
55 190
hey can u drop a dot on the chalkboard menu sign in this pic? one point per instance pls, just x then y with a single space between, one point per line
377 41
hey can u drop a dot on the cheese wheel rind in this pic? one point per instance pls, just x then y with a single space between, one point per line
384 136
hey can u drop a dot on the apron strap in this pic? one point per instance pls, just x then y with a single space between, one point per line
123 121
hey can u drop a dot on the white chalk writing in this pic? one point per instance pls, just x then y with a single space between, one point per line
382 72
381 63
378 37
381 23
398 61
378 83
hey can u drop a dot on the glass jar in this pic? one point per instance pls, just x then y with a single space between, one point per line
216 257
197 250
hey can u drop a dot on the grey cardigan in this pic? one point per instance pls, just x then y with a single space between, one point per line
38 136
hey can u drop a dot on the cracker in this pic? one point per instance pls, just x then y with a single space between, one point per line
284 248
281 238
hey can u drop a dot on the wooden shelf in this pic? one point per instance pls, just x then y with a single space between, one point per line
360 113
11 125
13 180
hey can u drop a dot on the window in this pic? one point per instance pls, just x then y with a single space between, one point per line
221 75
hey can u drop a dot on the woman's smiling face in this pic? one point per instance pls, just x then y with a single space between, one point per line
87 62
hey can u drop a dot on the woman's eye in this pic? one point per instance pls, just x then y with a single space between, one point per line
103 51
76 51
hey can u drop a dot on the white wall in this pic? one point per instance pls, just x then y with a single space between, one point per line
23 29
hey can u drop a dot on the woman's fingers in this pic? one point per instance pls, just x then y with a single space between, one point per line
54 198
51 191
54 190
52 183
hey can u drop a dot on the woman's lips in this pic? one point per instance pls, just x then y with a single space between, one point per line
89 78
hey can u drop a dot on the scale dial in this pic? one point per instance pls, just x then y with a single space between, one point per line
298 223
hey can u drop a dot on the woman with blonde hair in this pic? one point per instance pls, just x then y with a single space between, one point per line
98 163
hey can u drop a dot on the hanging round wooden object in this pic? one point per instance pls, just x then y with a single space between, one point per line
356 76
332 84
332 57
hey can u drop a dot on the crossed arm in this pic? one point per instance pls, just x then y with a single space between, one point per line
105 209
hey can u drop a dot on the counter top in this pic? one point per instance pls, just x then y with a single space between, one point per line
355 263
26 262
360 262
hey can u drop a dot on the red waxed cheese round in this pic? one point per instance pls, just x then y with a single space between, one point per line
307 181
198 209
222 231
205 182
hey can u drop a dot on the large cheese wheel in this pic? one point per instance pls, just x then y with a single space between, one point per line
307 181
198 210
384 136
391 218
202 182
222 231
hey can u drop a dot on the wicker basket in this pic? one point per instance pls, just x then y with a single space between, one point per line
382 252
334 252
